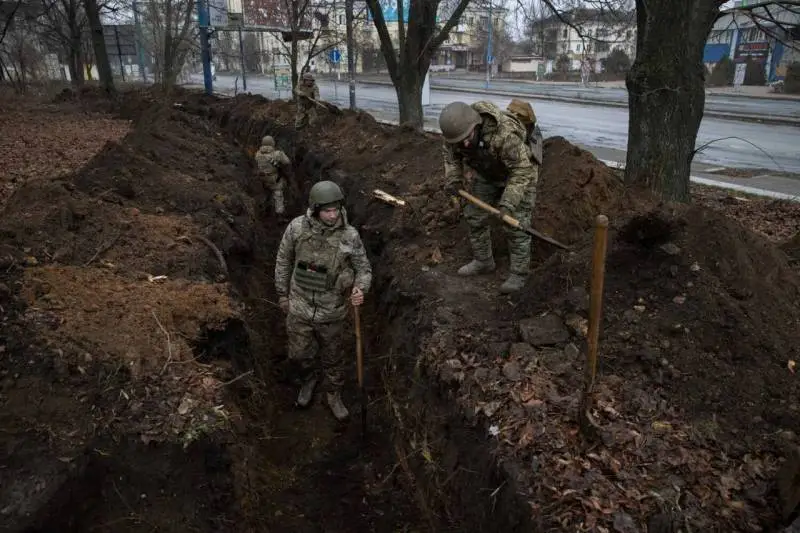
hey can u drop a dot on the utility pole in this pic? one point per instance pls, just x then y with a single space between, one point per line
203 19
139 46
489 49
241 59
351 64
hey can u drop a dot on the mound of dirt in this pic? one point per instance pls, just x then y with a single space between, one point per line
573 188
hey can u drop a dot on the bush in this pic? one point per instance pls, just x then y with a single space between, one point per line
617 62
791 82
722 73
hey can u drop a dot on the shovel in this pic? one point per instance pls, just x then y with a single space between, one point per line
511 221
360 370
330 107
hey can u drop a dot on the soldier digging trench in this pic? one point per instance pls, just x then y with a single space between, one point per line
321 265
489 148
273 167
307 93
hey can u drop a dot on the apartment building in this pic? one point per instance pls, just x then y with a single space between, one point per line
588 35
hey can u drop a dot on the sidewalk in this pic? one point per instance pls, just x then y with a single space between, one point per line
761 118
745 91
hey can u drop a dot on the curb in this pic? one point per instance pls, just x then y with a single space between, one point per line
766 119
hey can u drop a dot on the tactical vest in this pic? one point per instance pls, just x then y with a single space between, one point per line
265 161
317 259
481 157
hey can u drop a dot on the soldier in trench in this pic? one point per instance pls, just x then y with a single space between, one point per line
321 266
307 91
488 147
273 166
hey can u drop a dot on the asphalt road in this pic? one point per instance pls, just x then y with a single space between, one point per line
737 144
720 103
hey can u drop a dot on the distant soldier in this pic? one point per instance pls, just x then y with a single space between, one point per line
273 166
307 91
321 265
487 146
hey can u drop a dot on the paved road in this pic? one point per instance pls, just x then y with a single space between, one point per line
588 125
725 104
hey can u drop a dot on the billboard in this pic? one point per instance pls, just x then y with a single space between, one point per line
217 13
389 10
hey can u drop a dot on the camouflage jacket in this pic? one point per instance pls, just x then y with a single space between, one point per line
317 266
269 161
502 155
310 92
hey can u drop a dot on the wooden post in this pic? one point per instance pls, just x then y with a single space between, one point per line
588 427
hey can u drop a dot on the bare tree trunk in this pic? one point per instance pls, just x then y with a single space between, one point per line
99 45
666 93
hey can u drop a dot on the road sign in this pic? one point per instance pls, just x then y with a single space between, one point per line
335 55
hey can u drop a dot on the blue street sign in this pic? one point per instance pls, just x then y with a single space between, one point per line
335 55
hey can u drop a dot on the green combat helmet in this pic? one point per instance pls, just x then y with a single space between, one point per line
324 193
457 120
268 141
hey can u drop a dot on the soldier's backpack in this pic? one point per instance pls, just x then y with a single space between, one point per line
523 112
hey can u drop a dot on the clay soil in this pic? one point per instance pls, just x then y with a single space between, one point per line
143 382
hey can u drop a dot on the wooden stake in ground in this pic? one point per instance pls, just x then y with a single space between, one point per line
587 425
360 369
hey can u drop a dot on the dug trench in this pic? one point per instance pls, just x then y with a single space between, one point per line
100 435
472 395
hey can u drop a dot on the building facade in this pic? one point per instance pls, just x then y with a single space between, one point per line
590 36
772 39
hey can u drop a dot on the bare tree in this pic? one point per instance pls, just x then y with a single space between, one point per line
169 35
99 45
418 39
63 24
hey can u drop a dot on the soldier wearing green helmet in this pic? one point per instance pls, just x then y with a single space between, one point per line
487 147
321 265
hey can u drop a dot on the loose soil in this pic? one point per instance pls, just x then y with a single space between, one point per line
144 383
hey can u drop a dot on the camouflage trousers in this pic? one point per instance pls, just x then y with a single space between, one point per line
276 186
519 242
305 116
317 349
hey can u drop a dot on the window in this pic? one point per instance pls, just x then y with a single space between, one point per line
341 19
564 33
628 35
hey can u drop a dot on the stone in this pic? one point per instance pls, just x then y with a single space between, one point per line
789 483
543 330
624 523
522 351
670 249
571 351
497 350
512 371
578 299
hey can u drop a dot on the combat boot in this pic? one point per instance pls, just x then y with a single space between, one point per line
337 407
306 392
514 283
475 267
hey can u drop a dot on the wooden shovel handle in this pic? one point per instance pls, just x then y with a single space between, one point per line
359 346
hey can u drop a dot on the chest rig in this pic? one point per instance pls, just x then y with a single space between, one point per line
318 258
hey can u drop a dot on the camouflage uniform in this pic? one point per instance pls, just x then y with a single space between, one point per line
270 162
499 164
306 109
316 268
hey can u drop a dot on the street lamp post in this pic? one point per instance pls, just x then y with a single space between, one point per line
489 49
